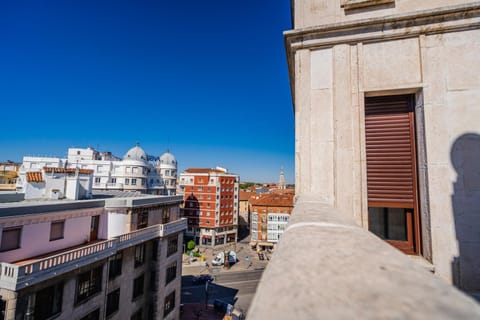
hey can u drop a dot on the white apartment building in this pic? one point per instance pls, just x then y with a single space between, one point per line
132 173
166 167
108 257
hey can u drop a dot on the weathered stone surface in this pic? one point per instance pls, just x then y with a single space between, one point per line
325 267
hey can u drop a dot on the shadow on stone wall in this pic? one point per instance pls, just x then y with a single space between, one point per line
465 157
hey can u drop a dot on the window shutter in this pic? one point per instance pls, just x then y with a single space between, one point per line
390 151
10 239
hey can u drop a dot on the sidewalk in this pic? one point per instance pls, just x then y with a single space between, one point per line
243 251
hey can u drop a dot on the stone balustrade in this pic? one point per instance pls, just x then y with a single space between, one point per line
326 267
15 276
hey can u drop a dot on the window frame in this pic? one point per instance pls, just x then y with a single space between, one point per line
93 284
115 265
58 237
171 273
18 244
169 303
138 287
112 306
56 299
172 247
139 257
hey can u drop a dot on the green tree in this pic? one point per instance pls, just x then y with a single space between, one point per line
246 185
190 245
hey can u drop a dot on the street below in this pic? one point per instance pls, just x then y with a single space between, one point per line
235 288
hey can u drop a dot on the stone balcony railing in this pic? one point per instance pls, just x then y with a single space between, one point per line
15 277
326 267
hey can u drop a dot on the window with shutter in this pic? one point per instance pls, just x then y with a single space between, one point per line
10 239
391 170
56 230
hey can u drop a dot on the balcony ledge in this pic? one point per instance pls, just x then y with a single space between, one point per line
327 267
14 276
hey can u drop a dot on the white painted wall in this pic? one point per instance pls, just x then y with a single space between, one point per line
117 224
35 239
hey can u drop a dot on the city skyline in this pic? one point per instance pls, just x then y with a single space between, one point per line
207 81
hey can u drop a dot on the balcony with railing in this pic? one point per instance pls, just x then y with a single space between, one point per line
15 276
327 267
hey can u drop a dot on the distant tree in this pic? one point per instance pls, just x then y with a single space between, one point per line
246 185
190 245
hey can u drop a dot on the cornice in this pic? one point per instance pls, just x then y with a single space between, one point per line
407 25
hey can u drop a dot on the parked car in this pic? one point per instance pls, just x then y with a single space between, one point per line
219 259
201 279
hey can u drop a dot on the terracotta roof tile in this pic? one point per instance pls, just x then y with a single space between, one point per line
245 196
34 177
273 199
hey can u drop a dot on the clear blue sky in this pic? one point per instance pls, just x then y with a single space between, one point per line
206 79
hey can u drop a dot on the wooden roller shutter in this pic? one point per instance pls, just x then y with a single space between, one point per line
390 150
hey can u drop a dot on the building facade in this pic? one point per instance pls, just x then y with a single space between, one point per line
210 205
270 214
166 167
385 100
136 171
8 175
244 209
109 257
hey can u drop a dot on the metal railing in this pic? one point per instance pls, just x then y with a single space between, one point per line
14 277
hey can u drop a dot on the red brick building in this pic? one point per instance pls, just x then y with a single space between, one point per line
211 205
270 214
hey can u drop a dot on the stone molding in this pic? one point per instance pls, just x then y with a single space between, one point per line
414 24
353 4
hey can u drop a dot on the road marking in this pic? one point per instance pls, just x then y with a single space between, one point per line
234 282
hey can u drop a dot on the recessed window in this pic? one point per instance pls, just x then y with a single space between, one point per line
97 180
139 254
113 300
172 246
138 287
48 301
88 284
57 230
127 181
171 273
94 315
169 304
153 281
11 239
115 267
155 251
142 220
134 182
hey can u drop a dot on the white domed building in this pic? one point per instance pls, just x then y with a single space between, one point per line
166 167
132 173
138 174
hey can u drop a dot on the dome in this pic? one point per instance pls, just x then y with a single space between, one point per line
136 153
168 158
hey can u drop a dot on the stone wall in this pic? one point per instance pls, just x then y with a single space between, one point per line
431 54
